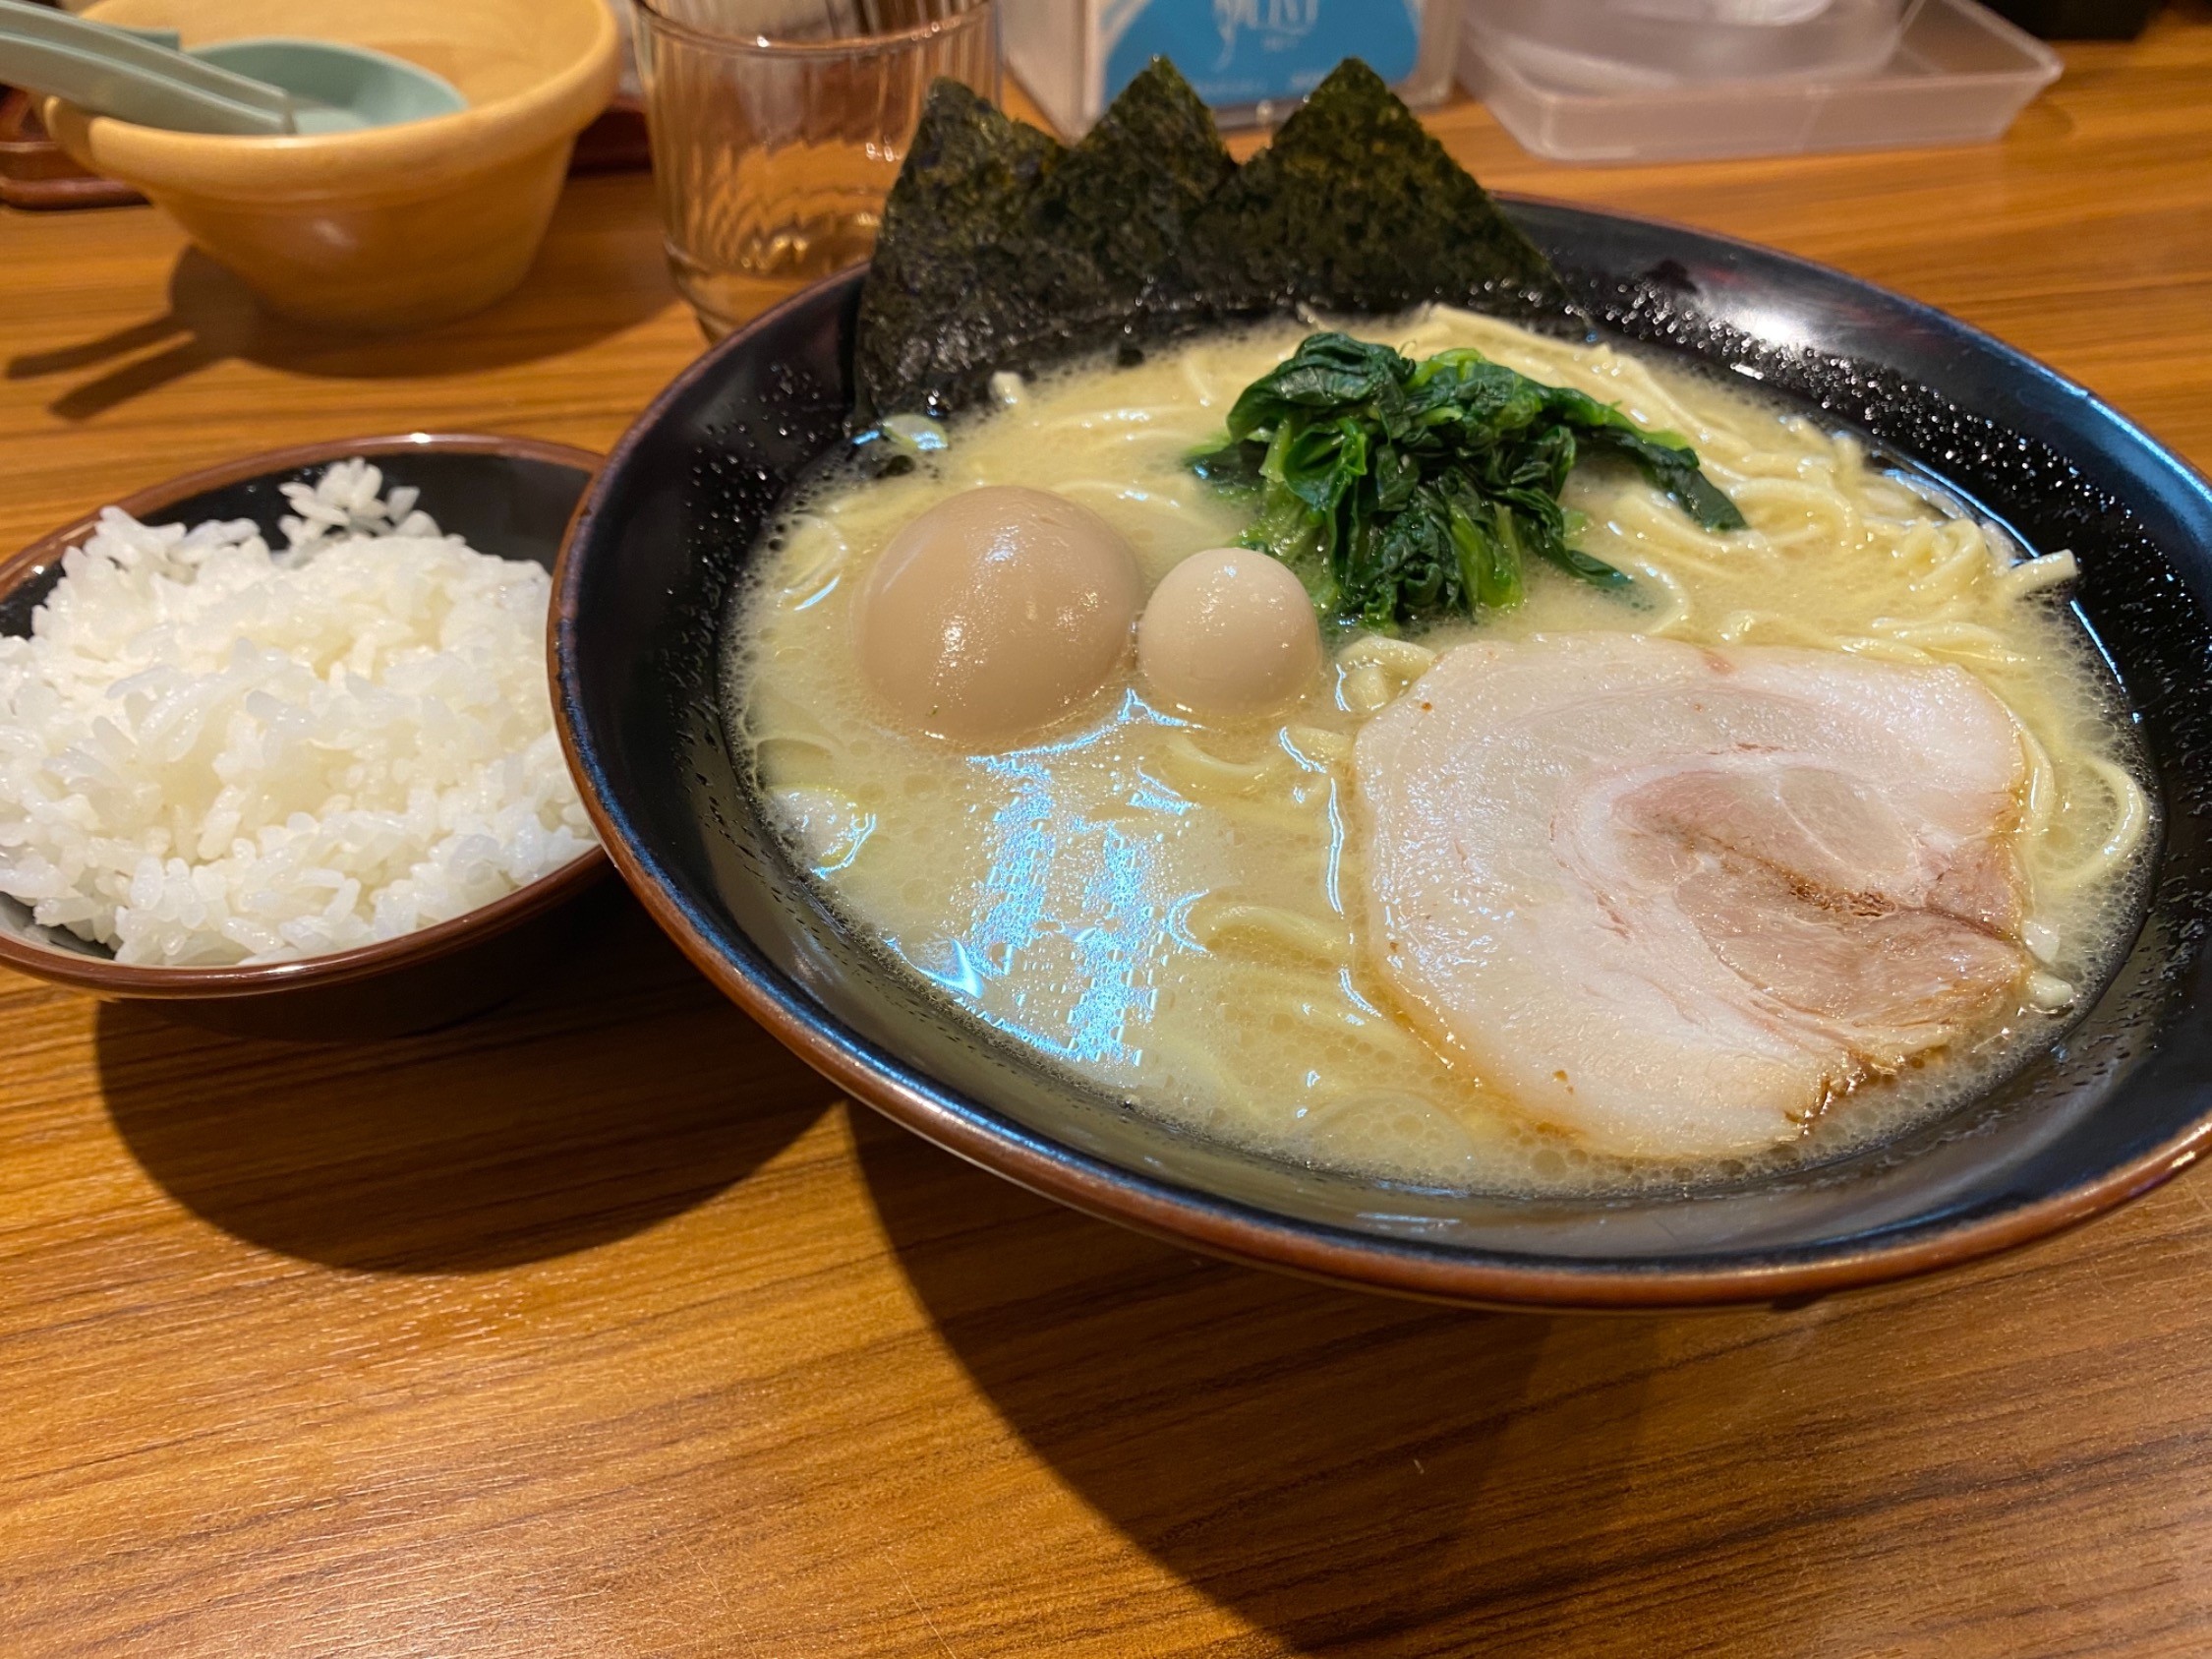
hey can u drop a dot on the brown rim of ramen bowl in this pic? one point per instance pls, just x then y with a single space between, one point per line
239 985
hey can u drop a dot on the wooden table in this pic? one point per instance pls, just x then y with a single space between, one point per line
600 1327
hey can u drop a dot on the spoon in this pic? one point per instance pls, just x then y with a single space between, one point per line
256 86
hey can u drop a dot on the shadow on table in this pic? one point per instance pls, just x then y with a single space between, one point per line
1353 1473
620 1092
585 285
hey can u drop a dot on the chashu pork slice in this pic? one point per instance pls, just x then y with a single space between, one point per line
1674 900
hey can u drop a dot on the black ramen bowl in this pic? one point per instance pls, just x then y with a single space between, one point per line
2119 1101
506 495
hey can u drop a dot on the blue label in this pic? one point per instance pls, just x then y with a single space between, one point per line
1243 51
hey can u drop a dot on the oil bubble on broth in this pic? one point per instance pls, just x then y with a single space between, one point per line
1168 909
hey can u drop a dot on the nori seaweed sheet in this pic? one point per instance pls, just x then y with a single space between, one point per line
954 284
1357 207
1003 249
1128 197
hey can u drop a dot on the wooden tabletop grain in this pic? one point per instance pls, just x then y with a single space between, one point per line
599 1326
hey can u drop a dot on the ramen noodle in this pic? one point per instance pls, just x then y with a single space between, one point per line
1170 909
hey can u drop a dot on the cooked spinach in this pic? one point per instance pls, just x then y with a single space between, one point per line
1400 490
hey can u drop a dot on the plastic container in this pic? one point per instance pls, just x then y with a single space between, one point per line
1960 75
1252 60
1604 44
2079 20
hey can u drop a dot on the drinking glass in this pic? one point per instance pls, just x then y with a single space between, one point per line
778 127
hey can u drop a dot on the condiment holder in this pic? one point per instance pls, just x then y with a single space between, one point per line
390 227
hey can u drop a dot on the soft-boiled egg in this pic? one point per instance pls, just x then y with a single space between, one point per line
994 613
1229 634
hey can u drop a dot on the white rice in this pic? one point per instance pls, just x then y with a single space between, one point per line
212 753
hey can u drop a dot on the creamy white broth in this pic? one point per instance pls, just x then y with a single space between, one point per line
1170 909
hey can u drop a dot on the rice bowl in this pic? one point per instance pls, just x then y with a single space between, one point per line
506 497
211 752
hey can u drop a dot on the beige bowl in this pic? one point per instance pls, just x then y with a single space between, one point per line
394 227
